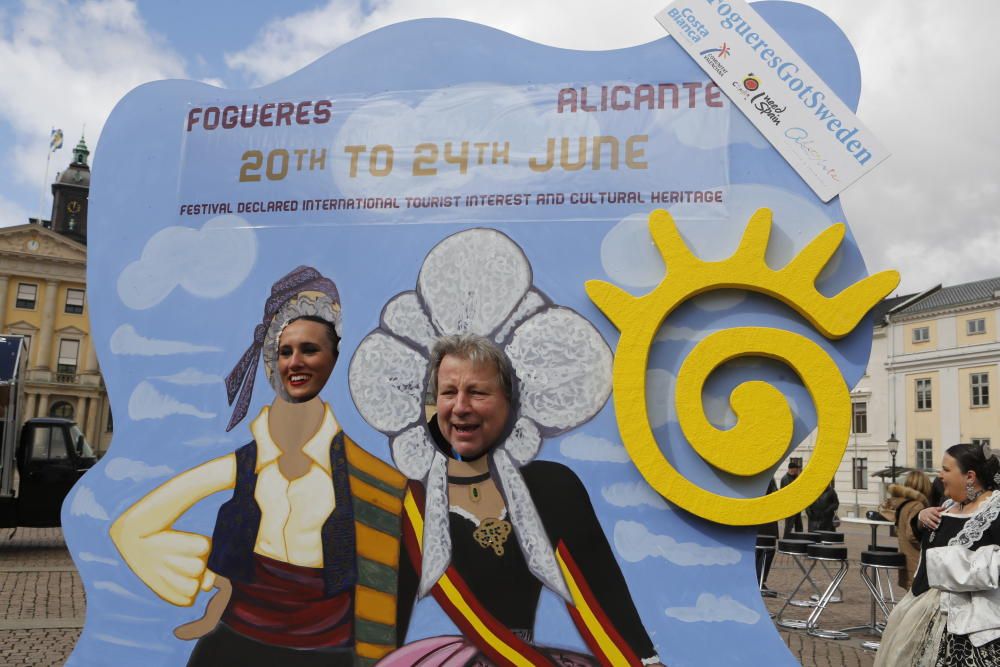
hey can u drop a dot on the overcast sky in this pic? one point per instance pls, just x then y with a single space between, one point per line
930 83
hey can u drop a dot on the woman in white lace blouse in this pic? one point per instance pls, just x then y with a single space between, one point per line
951 616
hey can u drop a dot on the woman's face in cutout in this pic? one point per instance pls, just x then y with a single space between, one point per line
472 409
305 359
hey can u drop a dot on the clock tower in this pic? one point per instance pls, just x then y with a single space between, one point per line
69 196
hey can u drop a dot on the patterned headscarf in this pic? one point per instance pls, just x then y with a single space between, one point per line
302 279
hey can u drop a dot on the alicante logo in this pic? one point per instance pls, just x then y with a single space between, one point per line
751 83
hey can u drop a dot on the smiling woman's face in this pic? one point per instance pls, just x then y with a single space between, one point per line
953 479
305 359
472 409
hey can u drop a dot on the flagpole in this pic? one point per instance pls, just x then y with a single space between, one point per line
45 180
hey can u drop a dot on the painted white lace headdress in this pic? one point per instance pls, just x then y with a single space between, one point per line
479 281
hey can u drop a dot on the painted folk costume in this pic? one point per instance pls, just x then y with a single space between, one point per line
487 576
312 561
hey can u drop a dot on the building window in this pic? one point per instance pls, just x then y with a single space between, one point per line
925 454
74 301
111 422
924 394
61 409
981 441
860 469
69 351
921 334
860 417
973 327
980 389
27 295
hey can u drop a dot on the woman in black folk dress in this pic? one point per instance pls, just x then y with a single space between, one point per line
951 616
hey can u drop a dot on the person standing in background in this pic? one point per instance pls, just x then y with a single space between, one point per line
793 524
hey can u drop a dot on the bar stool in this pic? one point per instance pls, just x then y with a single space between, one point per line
763 550
812 537
798 550
829 537
824 553
873 562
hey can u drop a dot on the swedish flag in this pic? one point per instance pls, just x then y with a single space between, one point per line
55 140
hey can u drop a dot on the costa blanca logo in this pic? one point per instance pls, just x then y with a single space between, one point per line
714 57
751 83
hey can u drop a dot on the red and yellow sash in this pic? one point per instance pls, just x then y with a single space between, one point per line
495 640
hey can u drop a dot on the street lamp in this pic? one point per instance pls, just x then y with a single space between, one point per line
893 444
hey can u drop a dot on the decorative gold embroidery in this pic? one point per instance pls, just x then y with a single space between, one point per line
492 533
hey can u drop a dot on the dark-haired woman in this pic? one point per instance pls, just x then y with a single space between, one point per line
951 616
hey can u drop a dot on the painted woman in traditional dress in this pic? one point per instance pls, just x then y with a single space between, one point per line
306 552
486 527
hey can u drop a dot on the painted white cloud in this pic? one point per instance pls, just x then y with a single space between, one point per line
489 112
132 643
633 494
41 67
88 557
126 340
703 127
207 441
680 333
85 504
719 300
189 376
659 396
120 591
583 447
148 403
629 256
634 543
122 468
712 609
209 262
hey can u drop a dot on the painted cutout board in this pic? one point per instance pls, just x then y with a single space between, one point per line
432 179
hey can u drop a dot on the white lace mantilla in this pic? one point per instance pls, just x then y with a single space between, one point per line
974 528
480 281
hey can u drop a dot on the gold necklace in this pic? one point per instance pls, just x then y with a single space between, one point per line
492 534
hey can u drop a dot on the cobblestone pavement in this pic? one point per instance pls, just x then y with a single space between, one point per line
42 603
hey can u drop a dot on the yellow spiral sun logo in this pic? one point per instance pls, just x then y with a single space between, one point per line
763 430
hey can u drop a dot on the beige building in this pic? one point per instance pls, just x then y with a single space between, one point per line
43 297
934 358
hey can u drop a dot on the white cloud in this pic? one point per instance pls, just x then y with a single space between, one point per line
126 340
122 468
209 262
189 376
85 503
583 447
207 441
629 256
659 396
144 644
148 403
719 299
633 494
42 66
119 590
634 543
678 333
12 213
490 112
88 557
712 609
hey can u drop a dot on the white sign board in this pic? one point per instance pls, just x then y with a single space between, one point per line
781 95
